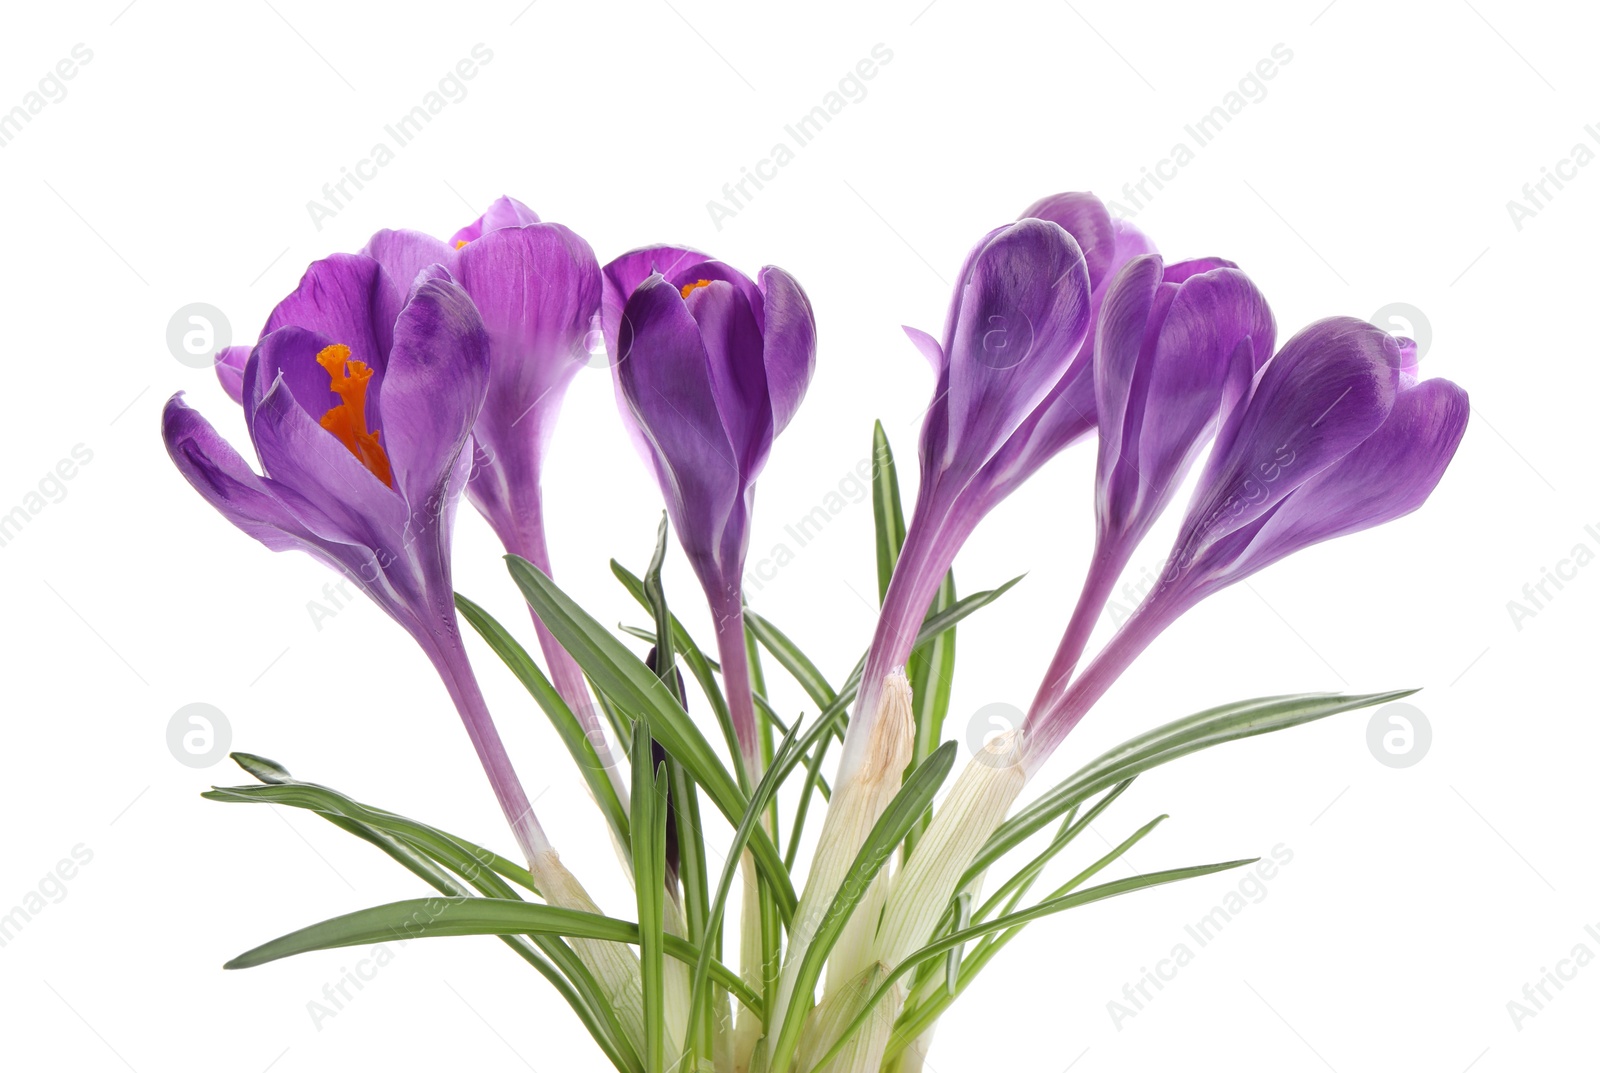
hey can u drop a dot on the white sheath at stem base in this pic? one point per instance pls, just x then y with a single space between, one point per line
853 809
614 965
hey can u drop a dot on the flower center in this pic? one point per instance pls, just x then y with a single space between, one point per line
460 242
348 421
696 285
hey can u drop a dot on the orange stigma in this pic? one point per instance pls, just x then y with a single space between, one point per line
696 285
460 242
348 421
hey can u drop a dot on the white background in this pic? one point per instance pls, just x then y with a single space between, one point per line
1376 170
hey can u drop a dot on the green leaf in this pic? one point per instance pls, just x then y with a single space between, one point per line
888 521
633 686
748 825
649 880
789 656
555 709
914 796
417 918
1227 722
422 850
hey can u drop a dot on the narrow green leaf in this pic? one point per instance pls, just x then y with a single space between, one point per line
788 654
633 686
649 881
748 825
1227 722
888 521
418 918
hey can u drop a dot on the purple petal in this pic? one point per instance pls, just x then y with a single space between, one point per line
1084 217
666 383
351 505
402 255
1389 475
227 482
1326 391
348 299
789 344
230 370
1211 317
927 346
733 349
621 277
1022 318
505 212
438 374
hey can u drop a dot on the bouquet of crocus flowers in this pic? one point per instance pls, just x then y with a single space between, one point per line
396 379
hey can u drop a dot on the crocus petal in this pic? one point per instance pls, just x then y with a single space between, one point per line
505 212
1022 317
1130 243
352 505
1389 475
621 277
349 299
731 340
1326 391
1084 217
927 346
438 374
227 482
230 370
668 388
1119 342
789 343
1210 317
403 254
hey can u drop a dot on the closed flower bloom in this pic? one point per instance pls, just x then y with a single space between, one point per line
710 367
1334 435
1175 342
1017 319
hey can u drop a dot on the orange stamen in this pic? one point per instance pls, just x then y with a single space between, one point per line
461 242
696 285
348 421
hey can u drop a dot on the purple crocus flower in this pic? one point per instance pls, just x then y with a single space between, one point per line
537 287
1334 435
1018 317
710 367
1176 343
360 429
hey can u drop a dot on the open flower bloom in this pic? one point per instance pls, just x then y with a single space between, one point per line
537 288
1175 344
360 429
1335 435
1018 317
710 367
